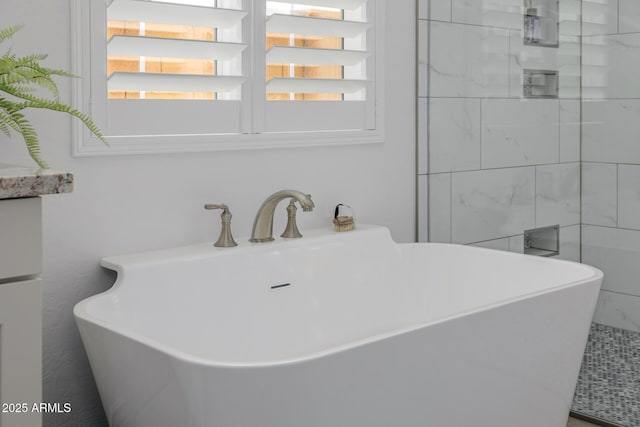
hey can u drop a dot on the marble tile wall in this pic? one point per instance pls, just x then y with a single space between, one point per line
491 163
611 156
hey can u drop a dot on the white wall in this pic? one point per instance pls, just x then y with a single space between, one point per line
126 204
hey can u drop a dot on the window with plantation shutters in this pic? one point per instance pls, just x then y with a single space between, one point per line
179 75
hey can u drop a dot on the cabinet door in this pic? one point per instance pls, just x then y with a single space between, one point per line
20 353
20 237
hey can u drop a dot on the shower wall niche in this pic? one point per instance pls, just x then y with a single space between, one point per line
540 84
541 23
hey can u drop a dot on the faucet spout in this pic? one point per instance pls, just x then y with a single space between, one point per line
263 224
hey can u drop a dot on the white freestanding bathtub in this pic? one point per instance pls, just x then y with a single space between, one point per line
338 330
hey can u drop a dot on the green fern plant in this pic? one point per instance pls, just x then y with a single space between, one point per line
19 79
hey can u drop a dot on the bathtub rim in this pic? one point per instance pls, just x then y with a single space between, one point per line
81 312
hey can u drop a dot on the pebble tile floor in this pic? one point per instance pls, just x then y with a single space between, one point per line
609 383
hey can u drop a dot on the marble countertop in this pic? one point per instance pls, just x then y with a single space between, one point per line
24 181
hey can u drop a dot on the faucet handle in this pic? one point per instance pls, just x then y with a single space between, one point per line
225 208
226 239
291 230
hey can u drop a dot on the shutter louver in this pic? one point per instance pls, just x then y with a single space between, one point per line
225 56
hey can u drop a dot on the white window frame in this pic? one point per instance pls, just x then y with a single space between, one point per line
252 113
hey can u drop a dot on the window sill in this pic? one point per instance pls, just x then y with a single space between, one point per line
87 145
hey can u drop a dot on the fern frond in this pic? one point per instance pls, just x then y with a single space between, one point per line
30 137
31 101
32 60
6 116
48 83
11 118
23 88
5 121
4 128
26 71
7 33
59 73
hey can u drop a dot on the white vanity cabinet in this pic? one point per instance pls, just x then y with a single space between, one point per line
20 311
21 290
